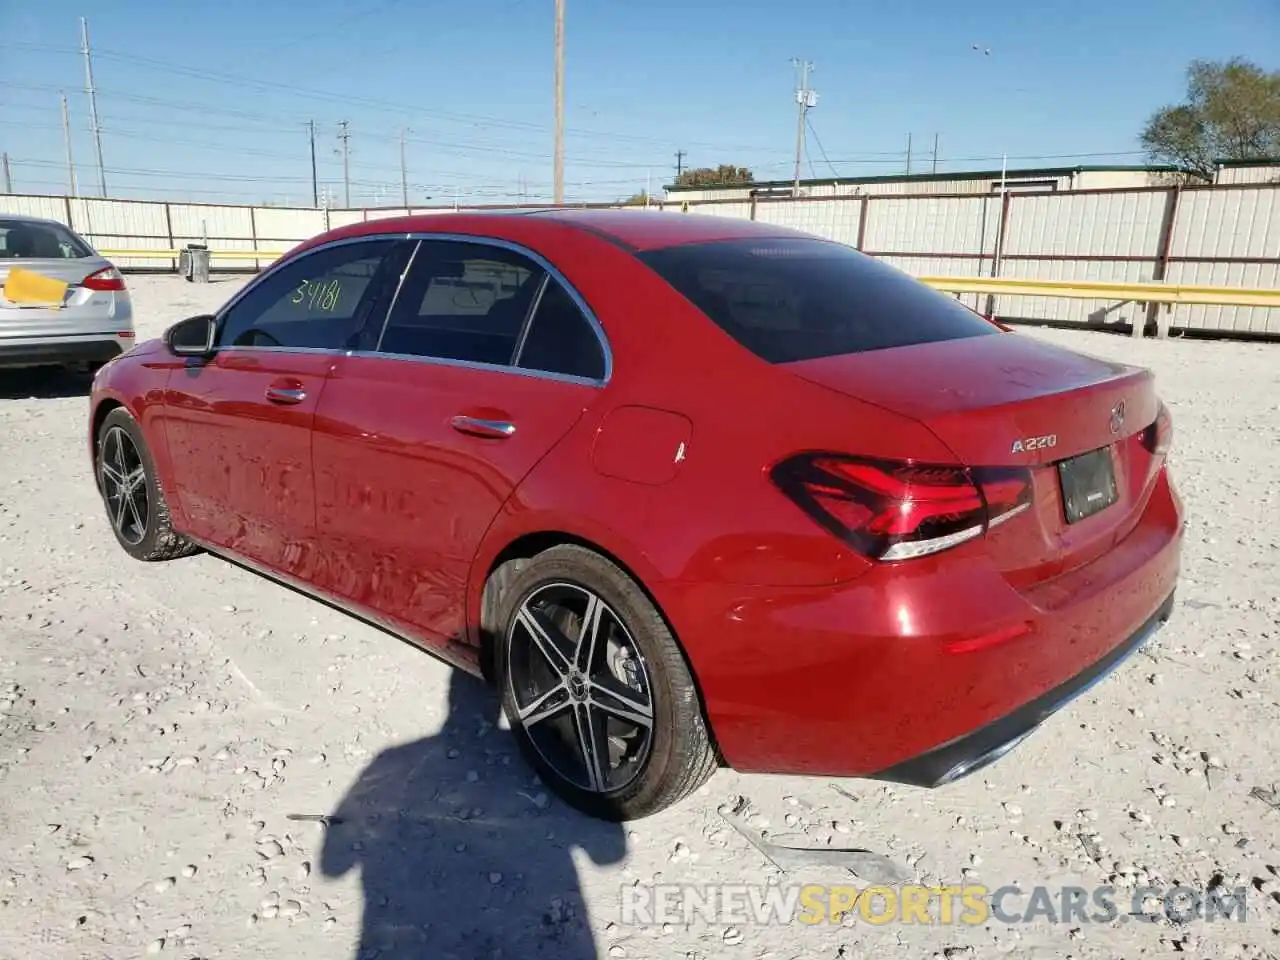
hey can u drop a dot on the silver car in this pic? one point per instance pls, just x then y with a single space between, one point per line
94 321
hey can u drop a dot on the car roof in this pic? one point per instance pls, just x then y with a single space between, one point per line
26 218
634 229
650 229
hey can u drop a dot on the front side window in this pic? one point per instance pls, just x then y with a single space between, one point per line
25 240
323 300
463 301
799 299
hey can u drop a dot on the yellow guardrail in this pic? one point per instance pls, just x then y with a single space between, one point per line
1150 292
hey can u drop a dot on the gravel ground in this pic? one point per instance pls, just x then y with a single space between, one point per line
159 724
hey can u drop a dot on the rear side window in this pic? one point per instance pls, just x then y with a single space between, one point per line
560 338
24 240
799 299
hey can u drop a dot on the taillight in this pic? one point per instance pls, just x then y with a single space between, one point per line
893 510
108 278
1158 435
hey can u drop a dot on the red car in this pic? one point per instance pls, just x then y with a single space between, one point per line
689 491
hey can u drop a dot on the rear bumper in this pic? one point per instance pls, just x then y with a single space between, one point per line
921 672
973 751
57 351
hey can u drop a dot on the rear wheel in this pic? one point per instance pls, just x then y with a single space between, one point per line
596 689
135 504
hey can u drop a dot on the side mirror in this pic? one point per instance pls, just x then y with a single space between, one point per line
192 337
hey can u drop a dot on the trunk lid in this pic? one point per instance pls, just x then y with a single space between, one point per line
82 312
1009 400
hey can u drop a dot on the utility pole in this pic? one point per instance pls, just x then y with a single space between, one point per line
345 136
66 135
315 183
404 173
558 175
806 99
93 102
935 153
908 154
5 178
680 155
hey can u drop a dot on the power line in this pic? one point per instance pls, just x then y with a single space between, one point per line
204 175
487 149
470 119
821 150
361 16
868 158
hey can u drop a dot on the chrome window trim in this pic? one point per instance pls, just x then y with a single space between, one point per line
553 272
331 351
476 365
418 358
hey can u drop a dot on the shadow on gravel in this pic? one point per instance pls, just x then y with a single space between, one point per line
455 863
43 384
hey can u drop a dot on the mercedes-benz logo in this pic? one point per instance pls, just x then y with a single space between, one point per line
1117 417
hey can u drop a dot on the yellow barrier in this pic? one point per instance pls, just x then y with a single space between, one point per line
1151 292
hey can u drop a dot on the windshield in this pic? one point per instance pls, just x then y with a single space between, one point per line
799 299
25 240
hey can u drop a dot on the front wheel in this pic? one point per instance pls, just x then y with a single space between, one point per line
135 504
596 689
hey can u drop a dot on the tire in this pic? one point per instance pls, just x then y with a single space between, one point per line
654 771
144 530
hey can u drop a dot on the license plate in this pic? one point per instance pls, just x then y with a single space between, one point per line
1088 484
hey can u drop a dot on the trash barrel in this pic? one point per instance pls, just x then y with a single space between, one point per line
193 262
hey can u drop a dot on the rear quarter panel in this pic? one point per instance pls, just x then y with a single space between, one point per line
718 518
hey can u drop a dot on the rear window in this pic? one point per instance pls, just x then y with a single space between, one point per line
799 299
24 240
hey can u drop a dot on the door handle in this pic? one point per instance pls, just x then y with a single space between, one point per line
497 429
286 394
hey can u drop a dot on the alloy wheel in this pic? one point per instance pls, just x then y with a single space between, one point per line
581 688
124 485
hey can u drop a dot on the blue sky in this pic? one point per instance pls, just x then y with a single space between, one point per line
210 100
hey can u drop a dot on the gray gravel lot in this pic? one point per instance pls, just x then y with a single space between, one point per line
160 722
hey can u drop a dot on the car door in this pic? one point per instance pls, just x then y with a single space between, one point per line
238 425
419 442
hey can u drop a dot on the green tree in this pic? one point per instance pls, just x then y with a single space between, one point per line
724 175
638 200
1232 112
